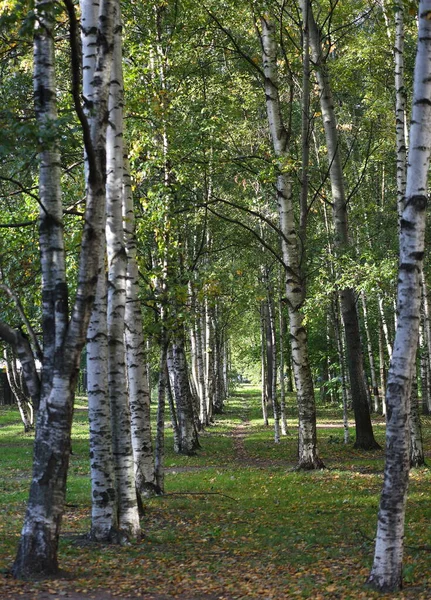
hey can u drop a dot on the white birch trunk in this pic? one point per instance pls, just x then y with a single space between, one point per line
160 425
209 361
307 447
364 432
425 375
376 397
400 106
282 326
385 327
104 517
23 402
64 339
417 457
104 522
386 572
273 339
128 516
136 354
188 440
426 318
200 367
169 392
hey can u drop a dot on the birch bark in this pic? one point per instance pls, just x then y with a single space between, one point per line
63 338
307 447
24 404
386 572
364 432
376 397
104 522
136 354
128 516
188 441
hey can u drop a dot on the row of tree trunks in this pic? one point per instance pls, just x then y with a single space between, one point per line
63 338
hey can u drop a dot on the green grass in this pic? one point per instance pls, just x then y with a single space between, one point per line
237 520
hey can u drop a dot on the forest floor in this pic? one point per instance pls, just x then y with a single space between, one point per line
236 522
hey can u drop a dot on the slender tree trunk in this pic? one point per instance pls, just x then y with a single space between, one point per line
382 366
385 329
23 402
425 374
104 509
426 318
128 518
295 288
160 432
63 338
417 457
376 397
386 572
341 361
136 355
264 376
273 343
269 355
200 360
171 401
400 108
364 432
282 325
209 361
188 442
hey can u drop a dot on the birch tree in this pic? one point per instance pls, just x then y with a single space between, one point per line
128 517
386 572
104 509
63 336
136 353
364 432
295 291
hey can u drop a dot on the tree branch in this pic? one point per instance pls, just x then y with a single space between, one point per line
76 84
20 308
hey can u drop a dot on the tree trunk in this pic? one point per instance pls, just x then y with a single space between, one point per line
273 344
104 509
417 457
308 457
341 361
386 572
263 366
160 435
282 325
382 366
200 360
104 515
188 442
364 432
136 356
376 397
63 339
425 374
209 361
128 517
23 401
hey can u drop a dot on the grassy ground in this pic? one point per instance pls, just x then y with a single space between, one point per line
236 521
